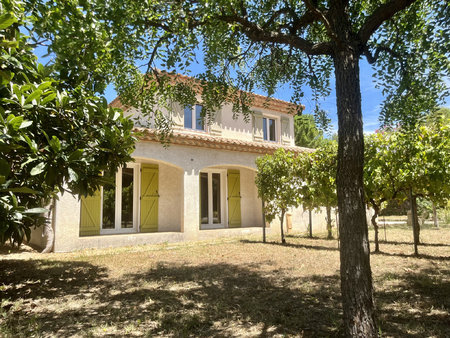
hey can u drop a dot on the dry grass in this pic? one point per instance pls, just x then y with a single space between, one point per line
223 288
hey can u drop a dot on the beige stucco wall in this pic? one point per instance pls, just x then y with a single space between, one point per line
170 206
37 239
237 128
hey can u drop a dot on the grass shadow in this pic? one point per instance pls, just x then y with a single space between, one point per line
417 306
175 300
292 245
420 256
411 243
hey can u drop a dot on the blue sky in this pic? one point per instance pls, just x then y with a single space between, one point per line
371 99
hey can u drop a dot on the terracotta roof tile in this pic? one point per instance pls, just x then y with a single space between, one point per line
217 142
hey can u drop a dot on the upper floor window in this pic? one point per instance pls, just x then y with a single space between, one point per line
269 129
193 117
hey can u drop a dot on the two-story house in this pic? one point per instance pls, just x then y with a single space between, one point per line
201 186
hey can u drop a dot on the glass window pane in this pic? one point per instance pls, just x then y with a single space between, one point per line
265 128
127 198
204 198
199 125
109 204
272 129
216 198
188 117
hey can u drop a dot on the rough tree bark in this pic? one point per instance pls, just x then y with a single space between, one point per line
264 221
310 223
330 233
283 240
356 276
376 210
415 221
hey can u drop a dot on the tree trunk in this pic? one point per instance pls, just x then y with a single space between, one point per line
48 228
283 240
435 218
330 233
375 226
310 223
264 222
356 275
415 221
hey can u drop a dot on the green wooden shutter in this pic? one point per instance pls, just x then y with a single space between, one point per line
149 198
90 214
234 199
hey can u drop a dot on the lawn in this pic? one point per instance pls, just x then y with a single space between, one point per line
234 287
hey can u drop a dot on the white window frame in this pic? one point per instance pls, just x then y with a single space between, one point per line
277 128
118 202
194 120
223 200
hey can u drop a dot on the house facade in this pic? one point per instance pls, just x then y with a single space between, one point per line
201 186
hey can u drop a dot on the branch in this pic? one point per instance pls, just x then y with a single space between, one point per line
257 34
321 15
381 14
372 58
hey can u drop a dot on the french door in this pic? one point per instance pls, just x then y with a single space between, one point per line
212 198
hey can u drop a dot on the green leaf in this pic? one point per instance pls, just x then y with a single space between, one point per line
26 124
76 155
55 144
33 96
7 20
23 190
9 44
6 77
15 122
48 98
38 169
35 211
5 168
73 175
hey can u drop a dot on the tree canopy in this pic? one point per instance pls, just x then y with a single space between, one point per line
53 139
307 134
247 45
277 184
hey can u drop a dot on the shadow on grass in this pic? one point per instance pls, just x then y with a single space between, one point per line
411 243
420 256
417 307
205 300
292 245
312 238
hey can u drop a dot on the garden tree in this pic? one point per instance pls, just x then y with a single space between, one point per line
259 44
317 172
381 184
436 118
277 185
421 159
306 132
52 140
